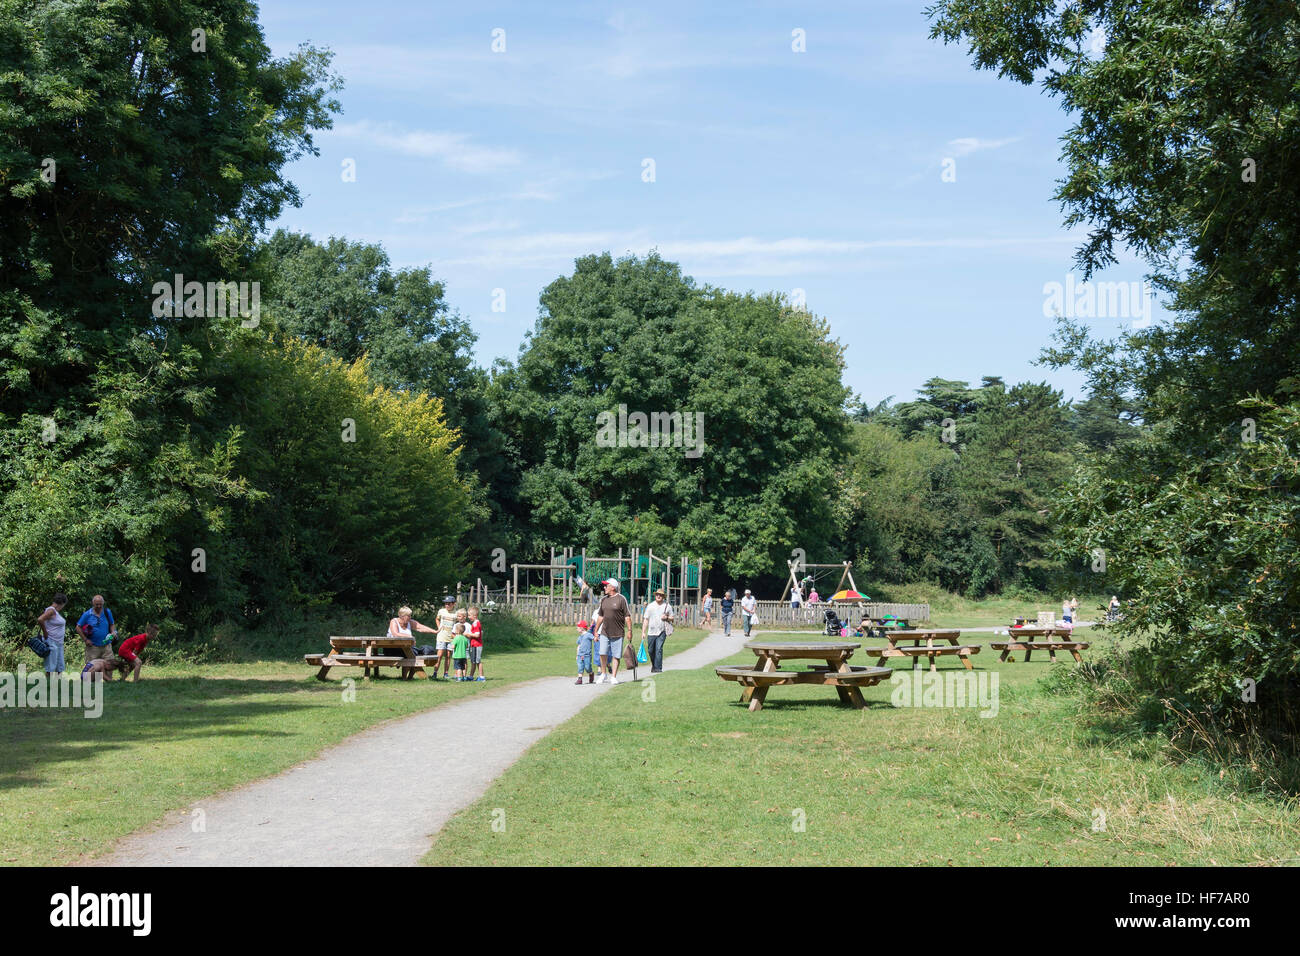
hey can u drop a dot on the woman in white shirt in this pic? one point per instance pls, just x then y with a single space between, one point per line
400 626
54 626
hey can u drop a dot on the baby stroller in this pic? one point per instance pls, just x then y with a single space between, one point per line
834 626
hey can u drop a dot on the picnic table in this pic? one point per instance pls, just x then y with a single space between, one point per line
1030 639
362 652
834 670
932 649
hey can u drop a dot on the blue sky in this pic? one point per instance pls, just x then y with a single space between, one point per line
820 171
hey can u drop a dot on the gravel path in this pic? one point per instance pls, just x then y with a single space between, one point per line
341 808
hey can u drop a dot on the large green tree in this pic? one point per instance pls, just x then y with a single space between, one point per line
346 298
637 333
1186 129
131 149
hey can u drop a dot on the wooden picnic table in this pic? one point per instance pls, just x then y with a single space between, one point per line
1023 639
932 648
346 651
834 671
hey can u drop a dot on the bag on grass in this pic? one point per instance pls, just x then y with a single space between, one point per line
641 655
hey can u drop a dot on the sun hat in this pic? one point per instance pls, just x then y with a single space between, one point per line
659 591
449 600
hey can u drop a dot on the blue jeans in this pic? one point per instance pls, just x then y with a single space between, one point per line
585 657
726 623
654 646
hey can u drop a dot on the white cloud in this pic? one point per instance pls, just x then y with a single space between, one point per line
745 255
972 144
452 149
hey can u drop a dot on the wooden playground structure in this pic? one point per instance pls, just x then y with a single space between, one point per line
571 582
565 589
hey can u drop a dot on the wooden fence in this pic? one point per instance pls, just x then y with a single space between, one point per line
772 615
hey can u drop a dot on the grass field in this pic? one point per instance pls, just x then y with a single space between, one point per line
70 786
692 777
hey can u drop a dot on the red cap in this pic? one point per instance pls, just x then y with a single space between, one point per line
583 624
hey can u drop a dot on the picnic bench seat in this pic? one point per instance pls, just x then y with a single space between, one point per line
964 651
1006 647
410 666
846 683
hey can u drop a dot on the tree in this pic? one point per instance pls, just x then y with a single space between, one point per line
635 335
126 156
346 298
1187 123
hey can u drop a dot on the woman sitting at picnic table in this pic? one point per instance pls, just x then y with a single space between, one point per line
400 626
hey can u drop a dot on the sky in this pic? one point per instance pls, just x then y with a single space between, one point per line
873 174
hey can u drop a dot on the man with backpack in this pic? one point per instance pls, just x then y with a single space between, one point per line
98 628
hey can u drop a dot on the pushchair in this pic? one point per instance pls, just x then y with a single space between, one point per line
834 626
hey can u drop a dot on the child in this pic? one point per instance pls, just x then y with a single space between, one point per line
475 645
586 640
132 646
460 650
102 668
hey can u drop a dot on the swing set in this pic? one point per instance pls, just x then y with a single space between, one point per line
846 573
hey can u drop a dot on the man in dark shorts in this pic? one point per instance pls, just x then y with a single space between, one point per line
611 624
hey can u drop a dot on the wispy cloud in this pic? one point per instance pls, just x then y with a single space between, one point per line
455 150
745 255
972 144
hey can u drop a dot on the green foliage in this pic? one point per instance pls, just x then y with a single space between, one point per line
1186 126
636 332
955 487
345 298
1211 561
358 501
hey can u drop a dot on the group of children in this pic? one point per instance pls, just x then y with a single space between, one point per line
459 642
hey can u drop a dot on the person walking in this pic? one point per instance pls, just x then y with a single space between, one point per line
98 628
54 626
656 621
706 609
728 606
748 607
1112 612
611 624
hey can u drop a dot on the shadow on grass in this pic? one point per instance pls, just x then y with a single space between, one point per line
795 703
164 709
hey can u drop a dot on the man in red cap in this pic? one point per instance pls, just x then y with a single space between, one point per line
611 624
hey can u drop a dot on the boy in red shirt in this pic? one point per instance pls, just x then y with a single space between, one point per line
129 650
475 645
